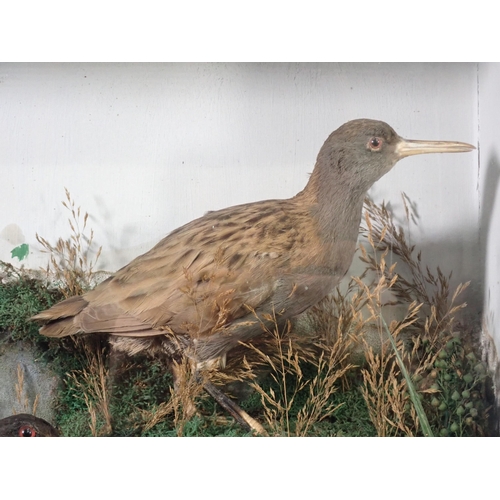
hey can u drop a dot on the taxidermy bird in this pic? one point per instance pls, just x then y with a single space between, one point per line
227 276
25 425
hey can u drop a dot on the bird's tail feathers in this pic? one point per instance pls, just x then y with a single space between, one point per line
60 317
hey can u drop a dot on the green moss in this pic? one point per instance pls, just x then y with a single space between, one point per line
20 298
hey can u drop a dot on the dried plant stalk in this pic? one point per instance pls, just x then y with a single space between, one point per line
70 265
430 316
21 396
282 354
92 381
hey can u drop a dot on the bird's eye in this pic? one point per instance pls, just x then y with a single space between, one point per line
26 431
375 143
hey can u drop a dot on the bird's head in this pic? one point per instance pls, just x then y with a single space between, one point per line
25 425
362 151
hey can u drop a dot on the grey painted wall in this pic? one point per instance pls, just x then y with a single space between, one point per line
146 148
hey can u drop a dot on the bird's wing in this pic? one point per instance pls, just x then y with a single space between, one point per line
187 299
201 277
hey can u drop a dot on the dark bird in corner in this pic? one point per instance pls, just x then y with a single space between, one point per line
219 279
25 425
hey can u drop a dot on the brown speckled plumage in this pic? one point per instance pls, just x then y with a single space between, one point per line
210 283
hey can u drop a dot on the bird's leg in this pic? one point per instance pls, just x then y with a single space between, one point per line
184 372
188 368
240 415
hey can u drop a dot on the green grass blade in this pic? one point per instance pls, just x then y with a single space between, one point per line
422 417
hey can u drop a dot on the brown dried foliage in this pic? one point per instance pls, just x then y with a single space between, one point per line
92 383
188 388
71 268
429 318
21 394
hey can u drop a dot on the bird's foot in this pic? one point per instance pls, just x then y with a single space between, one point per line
240 415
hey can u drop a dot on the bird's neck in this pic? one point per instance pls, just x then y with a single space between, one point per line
335 203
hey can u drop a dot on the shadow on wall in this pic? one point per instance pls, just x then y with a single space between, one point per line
490 333
462 265
488 201
102 224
